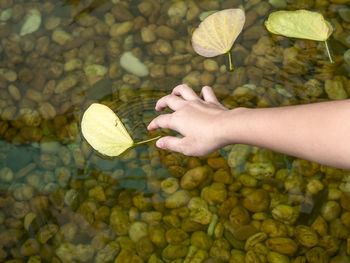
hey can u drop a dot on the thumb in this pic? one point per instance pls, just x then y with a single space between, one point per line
171 143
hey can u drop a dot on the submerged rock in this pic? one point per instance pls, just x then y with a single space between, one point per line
238 155
8 74
95 70
177 9
347 57
31 23
335 90
6 174
138 230
278 3
61 37
344 13
133 65
6 14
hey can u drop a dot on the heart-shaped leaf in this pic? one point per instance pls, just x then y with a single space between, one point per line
216 34
300 24
104 131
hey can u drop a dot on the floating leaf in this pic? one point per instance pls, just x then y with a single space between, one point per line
300 24
104 131
216 34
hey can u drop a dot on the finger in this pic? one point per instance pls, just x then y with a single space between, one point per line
171 143
171 101
162 121
208 95
185 91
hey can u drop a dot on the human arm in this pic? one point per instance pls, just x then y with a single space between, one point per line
318 132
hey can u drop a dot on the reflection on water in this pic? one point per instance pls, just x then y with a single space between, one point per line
62 202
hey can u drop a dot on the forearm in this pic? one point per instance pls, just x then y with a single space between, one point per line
318 132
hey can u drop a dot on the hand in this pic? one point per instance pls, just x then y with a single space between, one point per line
196 118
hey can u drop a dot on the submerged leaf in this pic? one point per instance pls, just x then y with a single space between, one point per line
299 24
216 34
104 131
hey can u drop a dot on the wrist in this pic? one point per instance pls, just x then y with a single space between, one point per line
232 126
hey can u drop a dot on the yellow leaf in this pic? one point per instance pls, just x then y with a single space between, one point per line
299 24
216 34
104 131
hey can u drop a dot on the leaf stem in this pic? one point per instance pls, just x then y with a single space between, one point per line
230 60
146 141
328 52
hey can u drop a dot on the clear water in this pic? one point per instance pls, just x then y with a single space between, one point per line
62 202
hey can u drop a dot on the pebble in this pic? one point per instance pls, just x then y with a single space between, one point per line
8 74
344 38
61 37
120 29
177 9
278 3
97 193
347 57
313 88
9 113
209 5
62 175
50 147
138 230
133 65
210 65
192 79
6 14
52 22
23 192
73 64
109 19
2 217
47 111
95 70
66 83
128 43
193 11
146 8
157 71
344 13
335 90
238 154
70 197
31 23
6 174
121 13
166 32
205 14
65 252
14 92
147 34
162 47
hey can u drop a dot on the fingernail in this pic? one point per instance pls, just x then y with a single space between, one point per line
160 144
149 127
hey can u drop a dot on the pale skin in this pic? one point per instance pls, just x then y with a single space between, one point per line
318 132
